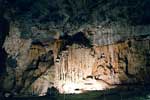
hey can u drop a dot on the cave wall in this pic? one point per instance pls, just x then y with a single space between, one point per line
36 64
73 45
119 63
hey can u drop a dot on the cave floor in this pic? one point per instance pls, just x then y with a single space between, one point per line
120 93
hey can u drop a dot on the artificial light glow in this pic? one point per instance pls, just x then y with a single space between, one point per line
72 88
83 86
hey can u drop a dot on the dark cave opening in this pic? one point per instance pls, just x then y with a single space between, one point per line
78 38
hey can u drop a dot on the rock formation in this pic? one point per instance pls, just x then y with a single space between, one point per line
72 65
73 46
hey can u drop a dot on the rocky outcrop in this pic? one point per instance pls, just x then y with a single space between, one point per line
27 62
94 58
73 45
120 63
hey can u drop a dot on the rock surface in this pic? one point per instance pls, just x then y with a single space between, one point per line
72 66
73 45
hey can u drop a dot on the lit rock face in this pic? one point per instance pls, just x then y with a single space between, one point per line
107 43
123 62
120 63
78 69
26 62
74 67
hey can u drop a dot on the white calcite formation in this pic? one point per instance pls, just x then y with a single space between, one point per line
113 58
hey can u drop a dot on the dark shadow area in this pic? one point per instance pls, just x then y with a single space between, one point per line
4 30
52 92
3 56
11 62
79 12
78 38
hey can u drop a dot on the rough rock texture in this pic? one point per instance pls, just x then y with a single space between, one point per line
27 61
119 63
73 45
92 59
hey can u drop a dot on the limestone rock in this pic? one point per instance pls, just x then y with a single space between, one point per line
72 66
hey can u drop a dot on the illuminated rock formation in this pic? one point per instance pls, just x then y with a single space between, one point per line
94 58
73 45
